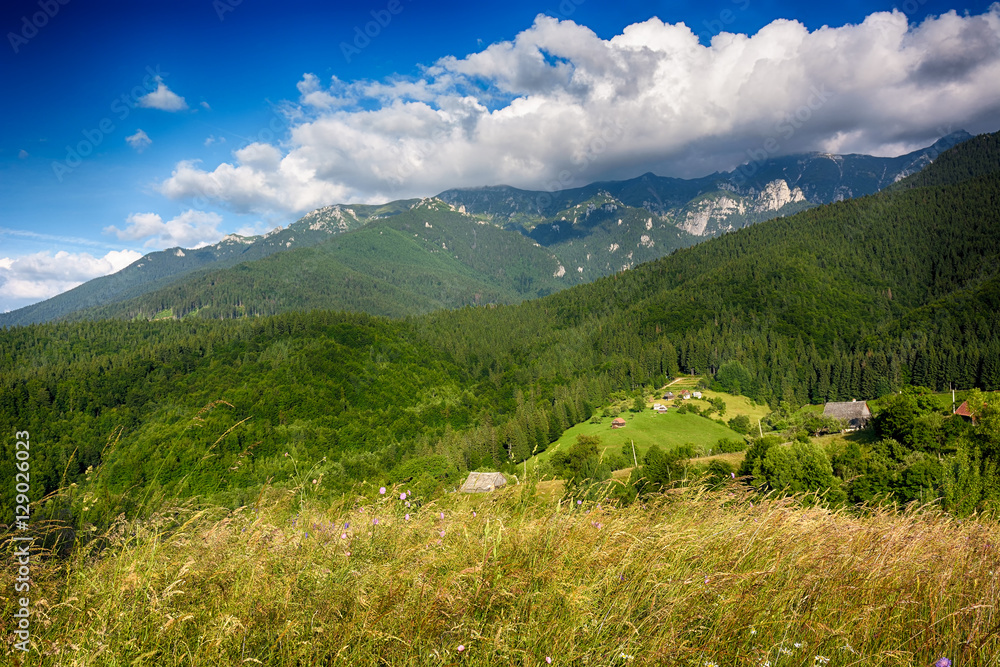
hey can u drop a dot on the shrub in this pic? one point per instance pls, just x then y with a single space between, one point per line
741 424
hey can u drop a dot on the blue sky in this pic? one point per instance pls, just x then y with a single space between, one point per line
135 126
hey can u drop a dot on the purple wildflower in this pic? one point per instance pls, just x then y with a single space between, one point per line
343 536
382 490
402 496
548 659
375 521
407 517
943 662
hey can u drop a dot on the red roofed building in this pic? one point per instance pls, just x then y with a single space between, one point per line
963 411
618 422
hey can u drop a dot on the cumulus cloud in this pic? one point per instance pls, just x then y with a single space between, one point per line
42 275
139 140
558 106
190 229
163 98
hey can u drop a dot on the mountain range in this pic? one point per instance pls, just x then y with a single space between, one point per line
493 244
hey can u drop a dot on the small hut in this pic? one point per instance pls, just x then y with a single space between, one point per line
483 482
855 413
618 422
963 411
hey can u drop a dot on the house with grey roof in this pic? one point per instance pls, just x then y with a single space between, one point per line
855 413
483 482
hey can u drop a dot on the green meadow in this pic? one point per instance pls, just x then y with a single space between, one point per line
647 428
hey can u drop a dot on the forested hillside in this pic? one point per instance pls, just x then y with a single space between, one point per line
422 259
851 300
587 232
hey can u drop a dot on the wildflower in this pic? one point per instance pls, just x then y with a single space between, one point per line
548 659
943 662
375 521
343 536
286 453
797 644
733 475
579 502
822 660
753 631
315 481
442 515
473 514
407 503
441 533
381 490
402 496
347 525
461 648
407 517
307 535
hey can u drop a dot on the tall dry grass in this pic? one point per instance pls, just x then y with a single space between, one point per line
695 579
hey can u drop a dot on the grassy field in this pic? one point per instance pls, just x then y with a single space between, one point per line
693 579
668 430
645 429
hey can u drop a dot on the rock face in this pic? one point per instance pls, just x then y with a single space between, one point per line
776 195
727 210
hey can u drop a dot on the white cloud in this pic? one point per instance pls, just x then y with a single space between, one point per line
23 154
190 229
205 106
139 141
559 106
42 275
212 139
163 98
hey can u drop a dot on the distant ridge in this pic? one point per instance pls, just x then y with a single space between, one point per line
588 232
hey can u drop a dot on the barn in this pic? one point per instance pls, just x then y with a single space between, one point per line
483 482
